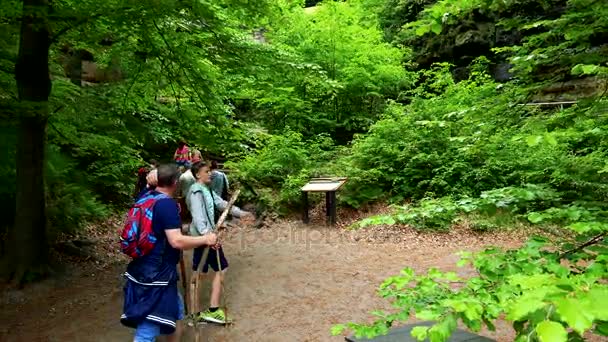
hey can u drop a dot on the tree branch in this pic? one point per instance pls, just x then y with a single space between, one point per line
133 83
56 36
170 82
592 241
81 21
165 64
52 125
180 63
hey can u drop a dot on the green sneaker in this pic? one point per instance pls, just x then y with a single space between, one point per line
214 317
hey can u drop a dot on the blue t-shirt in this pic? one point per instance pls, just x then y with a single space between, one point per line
159 264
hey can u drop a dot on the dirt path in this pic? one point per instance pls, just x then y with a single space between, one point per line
285 283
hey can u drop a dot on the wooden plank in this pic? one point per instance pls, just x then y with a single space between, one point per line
328 179
332 208
323 186
328 208
305 218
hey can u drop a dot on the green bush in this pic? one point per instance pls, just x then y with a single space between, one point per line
474 138
487 211
70 202
282 166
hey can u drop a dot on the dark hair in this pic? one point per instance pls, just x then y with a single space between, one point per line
214 165
196 167
181 144
141 180
154 162
167 175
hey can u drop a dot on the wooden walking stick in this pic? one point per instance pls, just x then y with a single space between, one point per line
195 286
182 270
217 255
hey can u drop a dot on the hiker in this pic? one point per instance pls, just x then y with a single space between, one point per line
142 184
185 182
202 203
152 303
219 181
182 154
196 156
146 181
152 179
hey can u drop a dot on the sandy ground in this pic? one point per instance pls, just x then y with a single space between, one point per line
289 282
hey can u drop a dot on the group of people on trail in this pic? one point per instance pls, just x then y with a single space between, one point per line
184 157
154 238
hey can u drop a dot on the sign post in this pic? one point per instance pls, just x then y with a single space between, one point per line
327 185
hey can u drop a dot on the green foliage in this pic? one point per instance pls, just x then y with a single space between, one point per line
155 73
427 214
542 291
343 74
70 201
564 43
441 213
472 151
280 156
543 40
331 72
284 162
474 138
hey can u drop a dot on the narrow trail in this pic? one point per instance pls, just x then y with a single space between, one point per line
285 283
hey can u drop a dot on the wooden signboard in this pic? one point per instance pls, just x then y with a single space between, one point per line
327 185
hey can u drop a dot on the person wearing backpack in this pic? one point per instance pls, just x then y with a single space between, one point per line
202 202
152 237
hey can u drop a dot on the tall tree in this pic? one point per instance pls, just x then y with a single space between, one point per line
27 250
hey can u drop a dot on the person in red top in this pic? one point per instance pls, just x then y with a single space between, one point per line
182 154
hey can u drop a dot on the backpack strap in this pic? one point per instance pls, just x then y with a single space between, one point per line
164 249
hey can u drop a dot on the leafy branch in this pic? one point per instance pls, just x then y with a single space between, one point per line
594 240
180 63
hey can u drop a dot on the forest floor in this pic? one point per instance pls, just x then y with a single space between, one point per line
286 282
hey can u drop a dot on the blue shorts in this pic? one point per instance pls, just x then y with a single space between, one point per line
148 331
184 163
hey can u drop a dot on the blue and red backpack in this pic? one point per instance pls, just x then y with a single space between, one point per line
137 238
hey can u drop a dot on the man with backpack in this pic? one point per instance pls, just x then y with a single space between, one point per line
152 237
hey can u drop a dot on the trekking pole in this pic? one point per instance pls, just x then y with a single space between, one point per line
217 255
182 270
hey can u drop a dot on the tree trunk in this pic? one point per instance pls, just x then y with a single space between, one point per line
27 251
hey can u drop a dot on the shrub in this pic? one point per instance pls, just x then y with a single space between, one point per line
282 166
